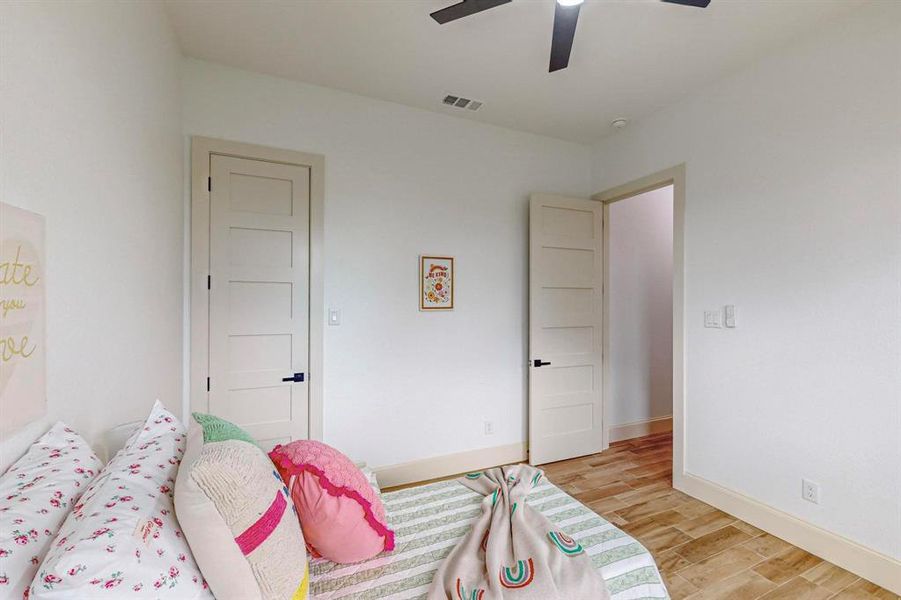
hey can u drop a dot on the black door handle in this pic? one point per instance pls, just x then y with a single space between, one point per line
539 363
296 378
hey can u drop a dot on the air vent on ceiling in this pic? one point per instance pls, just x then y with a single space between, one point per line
460 102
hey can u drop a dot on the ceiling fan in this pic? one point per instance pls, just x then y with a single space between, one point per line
566 15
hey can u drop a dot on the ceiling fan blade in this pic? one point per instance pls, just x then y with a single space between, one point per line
695 3
565 19
464 9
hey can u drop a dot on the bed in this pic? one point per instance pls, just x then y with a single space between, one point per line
430 519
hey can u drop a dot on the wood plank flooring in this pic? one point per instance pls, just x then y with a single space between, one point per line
703 553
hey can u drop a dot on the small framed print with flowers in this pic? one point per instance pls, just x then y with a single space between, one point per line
436 283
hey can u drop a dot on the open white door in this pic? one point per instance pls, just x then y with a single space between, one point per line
565 317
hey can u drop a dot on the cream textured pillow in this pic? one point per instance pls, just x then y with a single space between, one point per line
238 517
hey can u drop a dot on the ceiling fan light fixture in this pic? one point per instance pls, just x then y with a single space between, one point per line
566 17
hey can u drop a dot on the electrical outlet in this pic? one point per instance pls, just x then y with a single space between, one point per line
810 491
489 427
712 319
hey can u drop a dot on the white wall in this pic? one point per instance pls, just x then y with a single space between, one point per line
793 214
640 309
399 384
90 112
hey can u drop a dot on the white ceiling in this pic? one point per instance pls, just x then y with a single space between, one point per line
630 58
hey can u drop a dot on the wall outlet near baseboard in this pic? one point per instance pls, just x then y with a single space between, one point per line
489 427
810 491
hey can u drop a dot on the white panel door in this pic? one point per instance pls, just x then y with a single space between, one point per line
565 317
259 297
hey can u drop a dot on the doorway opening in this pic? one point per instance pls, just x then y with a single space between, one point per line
643 321
570 382
638 294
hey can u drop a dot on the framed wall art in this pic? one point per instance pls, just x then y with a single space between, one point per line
436 283
23 385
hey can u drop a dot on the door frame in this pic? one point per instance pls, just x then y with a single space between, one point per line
198 310
674 176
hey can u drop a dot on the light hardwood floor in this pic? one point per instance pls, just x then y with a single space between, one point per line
703 553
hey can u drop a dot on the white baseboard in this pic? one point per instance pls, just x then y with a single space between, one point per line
450 464
618 433
871 565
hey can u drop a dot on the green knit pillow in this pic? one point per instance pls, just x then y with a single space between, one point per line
220 430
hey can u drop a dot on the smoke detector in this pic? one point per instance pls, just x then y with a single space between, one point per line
619 123
461 102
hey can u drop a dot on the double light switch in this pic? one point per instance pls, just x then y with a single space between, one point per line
716 319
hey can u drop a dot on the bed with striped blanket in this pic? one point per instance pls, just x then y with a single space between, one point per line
429 520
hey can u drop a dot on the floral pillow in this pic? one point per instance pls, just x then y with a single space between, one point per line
36 494
122 537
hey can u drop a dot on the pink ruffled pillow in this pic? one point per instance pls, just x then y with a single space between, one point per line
342 516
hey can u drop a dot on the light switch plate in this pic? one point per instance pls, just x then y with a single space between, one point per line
334 316
729 316
712 319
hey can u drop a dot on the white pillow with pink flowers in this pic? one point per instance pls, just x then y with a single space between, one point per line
122 539
36 494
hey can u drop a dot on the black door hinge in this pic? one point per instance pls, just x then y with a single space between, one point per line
207 384
209 282
209 184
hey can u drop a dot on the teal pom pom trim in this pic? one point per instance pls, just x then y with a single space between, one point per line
220 430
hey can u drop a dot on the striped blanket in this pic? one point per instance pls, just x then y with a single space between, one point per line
429 520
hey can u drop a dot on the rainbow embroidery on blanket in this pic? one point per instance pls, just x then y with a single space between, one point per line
566 544
476 594
536 479
494 496
473 475
522 576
